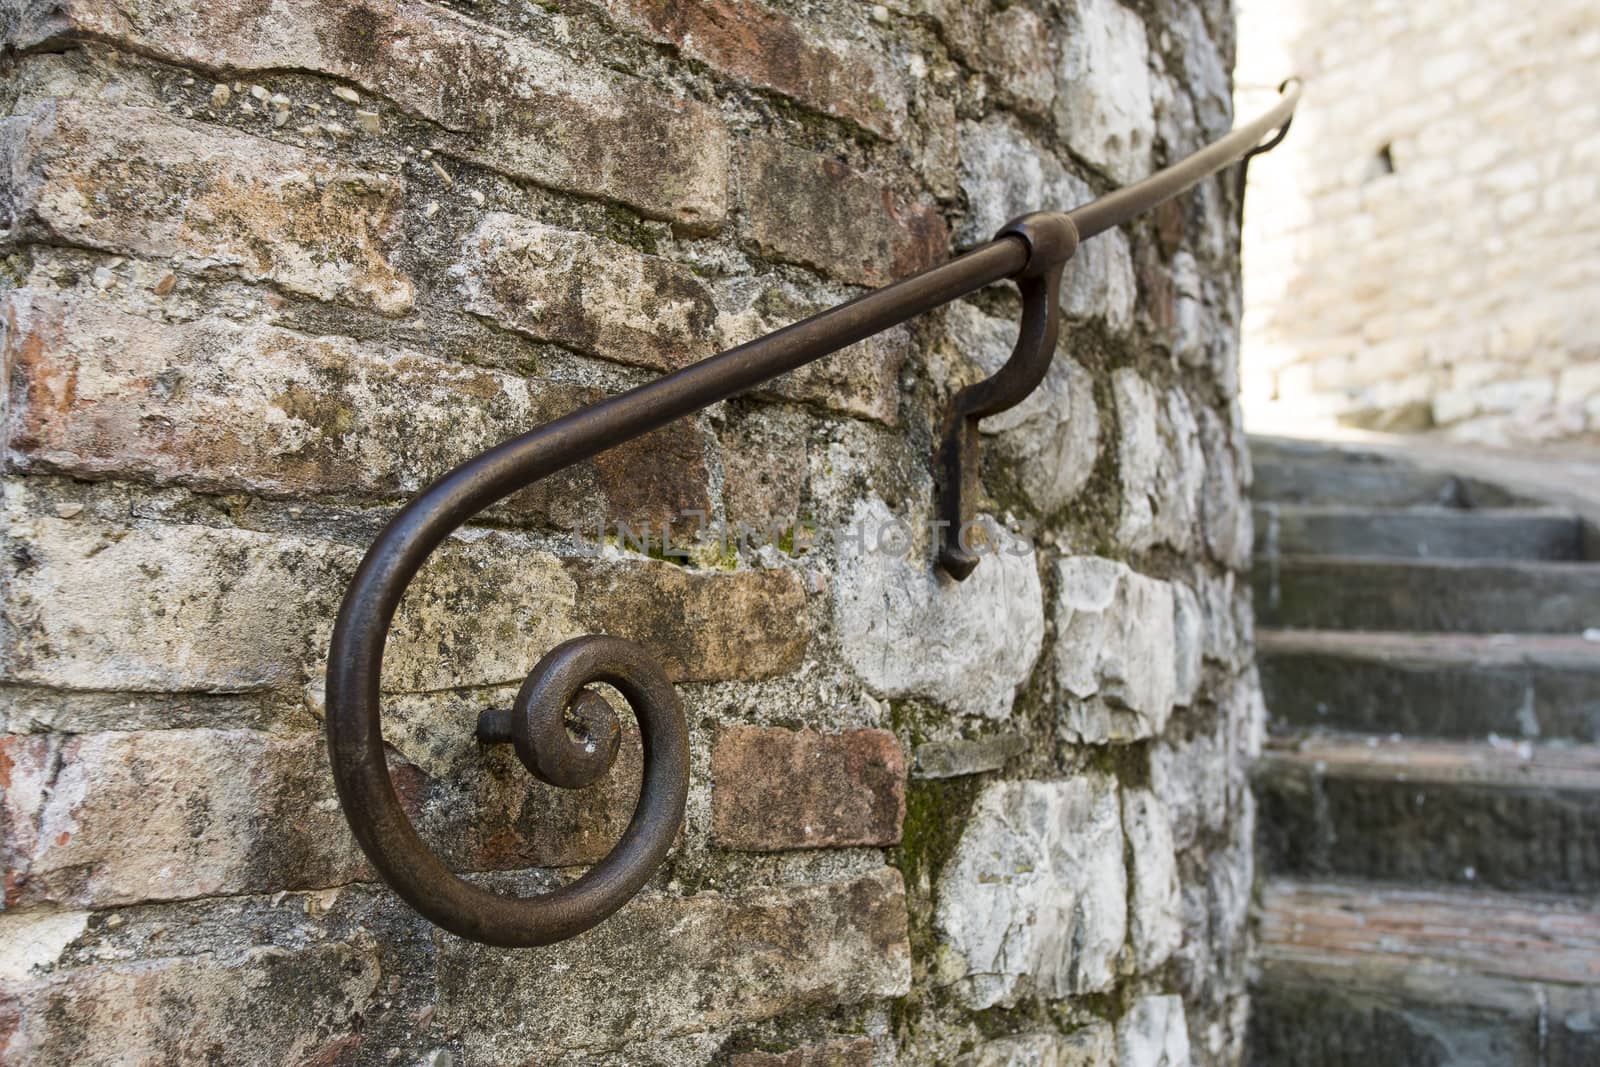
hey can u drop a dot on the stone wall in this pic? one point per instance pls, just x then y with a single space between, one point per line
1424 251
272 267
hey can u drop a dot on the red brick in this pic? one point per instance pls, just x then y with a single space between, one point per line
809 209
128 179
221 406
757 45
781 789
701 625
498 99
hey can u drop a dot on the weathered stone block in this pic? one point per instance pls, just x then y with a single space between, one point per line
117 818
1202 779
1118 651
862 379
1020 55
779 789
1224 512
908 630
777 950
1104 108
955 759
599 297
156 607
130 179
764 47
1153 1033
1088 1046
809 209
228 1007
175 607
846 1052
496 98
1163 467
1155 915
97 392
1005 173
607 300
703 626
1035 899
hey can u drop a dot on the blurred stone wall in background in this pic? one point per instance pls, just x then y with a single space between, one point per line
272 266
1424 251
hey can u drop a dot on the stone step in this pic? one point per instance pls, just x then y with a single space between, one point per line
1299 472
1511 816
1418 533
1358 974
1442 596
1463 686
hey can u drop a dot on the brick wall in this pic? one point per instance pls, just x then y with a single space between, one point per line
272 267
1422 253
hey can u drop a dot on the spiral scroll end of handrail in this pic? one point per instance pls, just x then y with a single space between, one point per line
563 730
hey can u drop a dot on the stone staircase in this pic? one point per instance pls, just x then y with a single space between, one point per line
1429 795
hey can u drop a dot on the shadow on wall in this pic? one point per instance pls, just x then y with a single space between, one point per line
1424 253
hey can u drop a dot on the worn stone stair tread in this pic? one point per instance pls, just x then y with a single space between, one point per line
1534 686
1317 472
1383 976
1418 532
1535 937
1438 595
1514 816
1567 651
1403 759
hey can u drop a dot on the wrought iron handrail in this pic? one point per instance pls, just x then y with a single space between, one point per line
565 733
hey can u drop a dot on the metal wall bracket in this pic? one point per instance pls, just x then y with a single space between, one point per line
563 731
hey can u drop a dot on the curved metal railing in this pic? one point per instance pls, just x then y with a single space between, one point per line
567 734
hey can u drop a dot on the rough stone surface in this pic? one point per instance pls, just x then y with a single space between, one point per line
98 392
779 789
1034 899
1155 921
842 1053
747 624
1089 1046
198 1008
607 300
776 950
1104 109
1153 1034
1005 173
1124 643
837 74
815 211
488 95
908 631
131 180
272 268
584 292
131 817
1163 467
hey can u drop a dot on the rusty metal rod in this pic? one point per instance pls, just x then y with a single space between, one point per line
562 730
